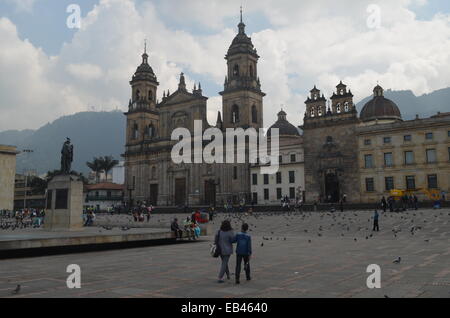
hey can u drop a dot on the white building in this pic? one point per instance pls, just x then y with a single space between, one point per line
103 196
290 179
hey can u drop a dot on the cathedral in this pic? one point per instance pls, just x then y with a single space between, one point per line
150 174
339 156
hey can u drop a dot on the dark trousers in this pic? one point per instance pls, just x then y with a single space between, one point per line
239 259
375 226
178 233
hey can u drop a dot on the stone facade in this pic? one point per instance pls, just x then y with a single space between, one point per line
150 173
7 176
415 149
331 148
363 158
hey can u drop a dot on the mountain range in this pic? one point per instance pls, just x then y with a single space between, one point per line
96 134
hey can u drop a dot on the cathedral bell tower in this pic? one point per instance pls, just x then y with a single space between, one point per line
142 115
242 97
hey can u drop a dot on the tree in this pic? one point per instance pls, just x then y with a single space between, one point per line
107 163
96 165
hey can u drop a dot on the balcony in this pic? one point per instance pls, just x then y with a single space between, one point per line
104 198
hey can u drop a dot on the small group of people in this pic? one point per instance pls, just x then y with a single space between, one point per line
190 227
224 240
404 203
142 211
89 217
27 217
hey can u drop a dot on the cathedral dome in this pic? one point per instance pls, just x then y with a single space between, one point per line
379 108
241 42
144 71
285 128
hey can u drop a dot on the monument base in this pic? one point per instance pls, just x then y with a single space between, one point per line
64 204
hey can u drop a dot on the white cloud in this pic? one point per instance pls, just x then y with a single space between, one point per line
22 5
309 43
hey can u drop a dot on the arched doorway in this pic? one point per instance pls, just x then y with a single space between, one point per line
331 188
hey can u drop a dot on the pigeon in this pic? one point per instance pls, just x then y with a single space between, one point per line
17 290
262 244
386 296
398 260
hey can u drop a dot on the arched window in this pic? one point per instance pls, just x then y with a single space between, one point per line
342 92
235 114
151 131
254 115
320 112
138 94
338 108
236 70
251 71
346 107
313 112
135 131
150 95
315 96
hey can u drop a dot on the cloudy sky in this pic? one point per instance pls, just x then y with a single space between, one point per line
49 70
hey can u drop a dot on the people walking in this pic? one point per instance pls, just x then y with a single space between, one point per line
375 221
243 252
383 204
224 239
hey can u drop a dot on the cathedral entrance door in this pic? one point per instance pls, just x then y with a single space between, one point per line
180 191
331 188
154 194
210 192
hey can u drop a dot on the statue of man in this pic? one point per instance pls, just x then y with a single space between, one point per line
66 157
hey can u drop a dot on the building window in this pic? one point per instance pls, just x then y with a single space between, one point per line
346 107
266 194
388 162
338 108
291 193
367 142
387 140
448 153
409 158
407 138
293 158
291 176
389 183
280 159
236 70
266 179
313 112
235 173
254 179
432 181
431 156
370 186
278 177
429 136
255 198
448 133
410 183
320 112
279 194
254 115
234 114
368 161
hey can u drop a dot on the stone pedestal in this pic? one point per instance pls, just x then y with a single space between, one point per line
64 204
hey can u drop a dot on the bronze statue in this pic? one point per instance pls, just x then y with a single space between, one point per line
66 157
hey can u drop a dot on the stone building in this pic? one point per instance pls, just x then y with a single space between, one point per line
150 173
363 158
330 146
289 180
7 176
406 155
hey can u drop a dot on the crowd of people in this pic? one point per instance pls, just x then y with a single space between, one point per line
22 218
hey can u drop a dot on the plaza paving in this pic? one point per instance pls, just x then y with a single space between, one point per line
295 255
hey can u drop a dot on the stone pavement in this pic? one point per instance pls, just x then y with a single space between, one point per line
295 255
